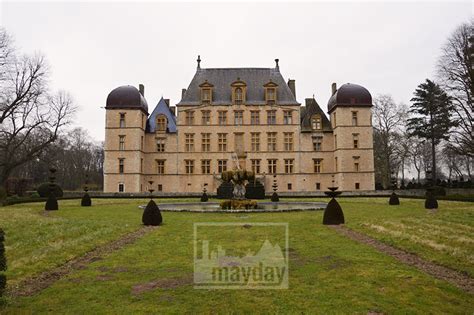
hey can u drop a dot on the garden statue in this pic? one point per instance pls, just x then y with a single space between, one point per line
51 202
86 199
152 214
333 214
430 201
238 178
275 197
393 201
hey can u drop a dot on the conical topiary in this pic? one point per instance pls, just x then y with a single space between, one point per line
86 200
333 214
204 197
430 201
3 264
394 201
152 214
275 197
51 203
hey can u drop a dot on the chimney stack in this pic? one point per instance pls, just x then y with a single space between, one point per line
333 88
276 64
183 91
141 88
173 110
167 101
291 85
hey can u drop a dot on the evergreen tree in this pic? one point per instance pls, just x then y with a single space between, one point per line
432 109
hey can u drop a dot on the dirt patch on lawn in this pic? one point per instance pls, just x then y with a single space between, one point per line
457 278
40 282
165 283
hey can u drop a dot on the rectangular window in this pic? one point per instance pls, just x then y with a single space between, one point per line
160 187
121 187
255 140
290 186
121 143
335 141
189 166
318 143
318 186
190 117
160 166
271 117
355 140
222 117
222 142
206 95
141 165
206 142
206 166
255 117
288 141
287 117
160 144
357 186
335 164
318 165
121 166
354 118
289 166
255 166
189 142
221 166
272 166
356 166
271 95
206 117
271 141
122 120
238 118
142 143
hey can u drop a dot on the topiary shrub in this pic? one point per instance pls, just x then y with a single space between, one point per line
152 214
3 193
255 190
44 189
430 201
275 197
225 190
204 197
86 200
3 264
51 203
333 214
394 201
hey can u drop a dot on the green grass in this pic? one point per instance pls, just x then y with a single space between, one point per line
328 272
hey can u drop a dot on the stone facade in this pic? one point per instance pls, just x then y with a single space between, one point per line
229 118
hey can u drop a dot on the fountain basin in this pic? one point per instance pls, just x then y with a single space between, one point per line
263 207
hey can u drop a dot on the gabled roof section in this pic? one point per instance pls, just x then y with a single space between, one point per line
223 78
312 107
162 108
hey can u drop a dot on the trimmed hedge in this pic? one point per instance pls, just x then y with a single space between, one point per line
152 214
43 190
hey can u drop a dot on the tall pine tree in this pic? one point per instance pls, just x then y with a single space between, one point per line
431 109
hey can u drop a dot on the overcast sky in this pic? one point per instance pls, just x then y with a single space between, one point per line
94 47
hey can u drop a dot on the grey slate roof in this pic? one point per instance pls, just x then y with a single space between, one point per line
161 108
312 107
222 78
350 94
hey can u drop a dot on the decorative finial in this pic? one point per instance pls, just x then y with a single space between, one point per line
276 64
199 62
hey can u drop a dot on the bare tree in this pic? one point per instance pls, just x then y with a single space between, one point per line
388 119
30 117
456 72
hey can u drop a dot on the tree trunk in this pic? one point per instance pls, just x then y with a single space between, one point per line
433 164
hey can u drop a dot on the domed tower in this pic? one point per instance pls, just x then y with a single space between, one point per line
351 117
125 123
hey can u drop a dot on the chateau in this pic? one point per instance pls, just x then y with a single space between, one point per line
238 117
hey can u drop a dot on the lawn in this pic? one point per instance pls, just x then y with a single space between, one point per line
328 272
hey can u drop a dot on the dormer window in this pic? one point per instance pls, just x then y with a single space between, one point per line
206 92
270 92
238 91
161 123
316 122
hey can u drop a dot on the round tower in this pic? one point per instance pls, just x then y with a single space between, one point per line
125 123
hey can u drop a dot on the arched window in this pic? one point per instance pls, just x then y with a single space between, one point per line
161 123
238 95
316 122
